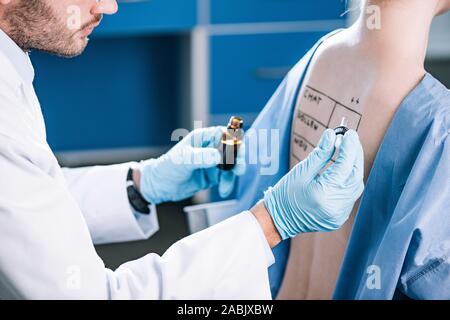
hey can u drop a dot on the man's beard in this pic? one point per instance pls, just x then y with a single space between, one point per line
33 25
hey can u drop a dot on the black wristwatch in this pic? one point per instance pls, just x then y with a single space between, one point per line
135 198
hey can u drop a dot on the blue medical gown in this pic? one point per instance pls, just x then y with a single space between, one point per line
402 227
400 242
277 115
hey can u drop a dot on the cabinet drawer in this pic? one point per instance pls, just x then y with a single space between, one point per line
150 16
246 70
242 11
102 100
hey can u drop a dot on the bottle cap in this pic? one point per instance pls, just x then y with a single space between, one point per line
235 123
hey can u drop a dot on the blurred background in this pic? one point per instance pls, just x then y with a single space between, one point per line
158 65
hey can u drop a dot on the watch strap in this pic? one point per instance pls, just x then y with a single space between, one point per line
135 198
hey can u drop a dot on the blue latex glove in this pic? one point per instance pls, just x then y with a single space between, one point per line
189 167
304 201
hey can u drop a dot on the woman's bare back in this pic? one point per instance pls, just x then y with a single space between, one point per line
350 79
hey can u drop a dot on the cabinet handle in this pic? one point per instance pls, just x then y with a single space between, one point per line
272 73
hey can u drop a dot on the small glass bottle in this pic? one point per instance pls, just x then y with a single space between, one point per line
232 139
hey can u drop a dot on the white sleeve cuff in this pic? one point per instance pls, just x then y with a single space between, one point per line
147 222
102 196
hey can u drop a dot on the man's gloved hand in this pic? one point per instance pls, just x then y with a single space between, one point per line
304 201
189 167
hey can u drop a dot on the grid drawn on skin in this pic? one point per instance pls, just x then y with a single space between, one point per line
328 114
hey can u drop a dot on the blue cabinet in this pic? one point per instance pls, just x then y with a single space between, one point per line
251 45
245 11
246 69
144 16
118 95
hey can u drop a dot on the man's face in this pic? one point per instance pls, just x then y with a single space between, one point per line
59 27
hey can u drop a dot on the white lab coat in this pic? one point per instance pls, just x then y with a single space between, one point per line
50 218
